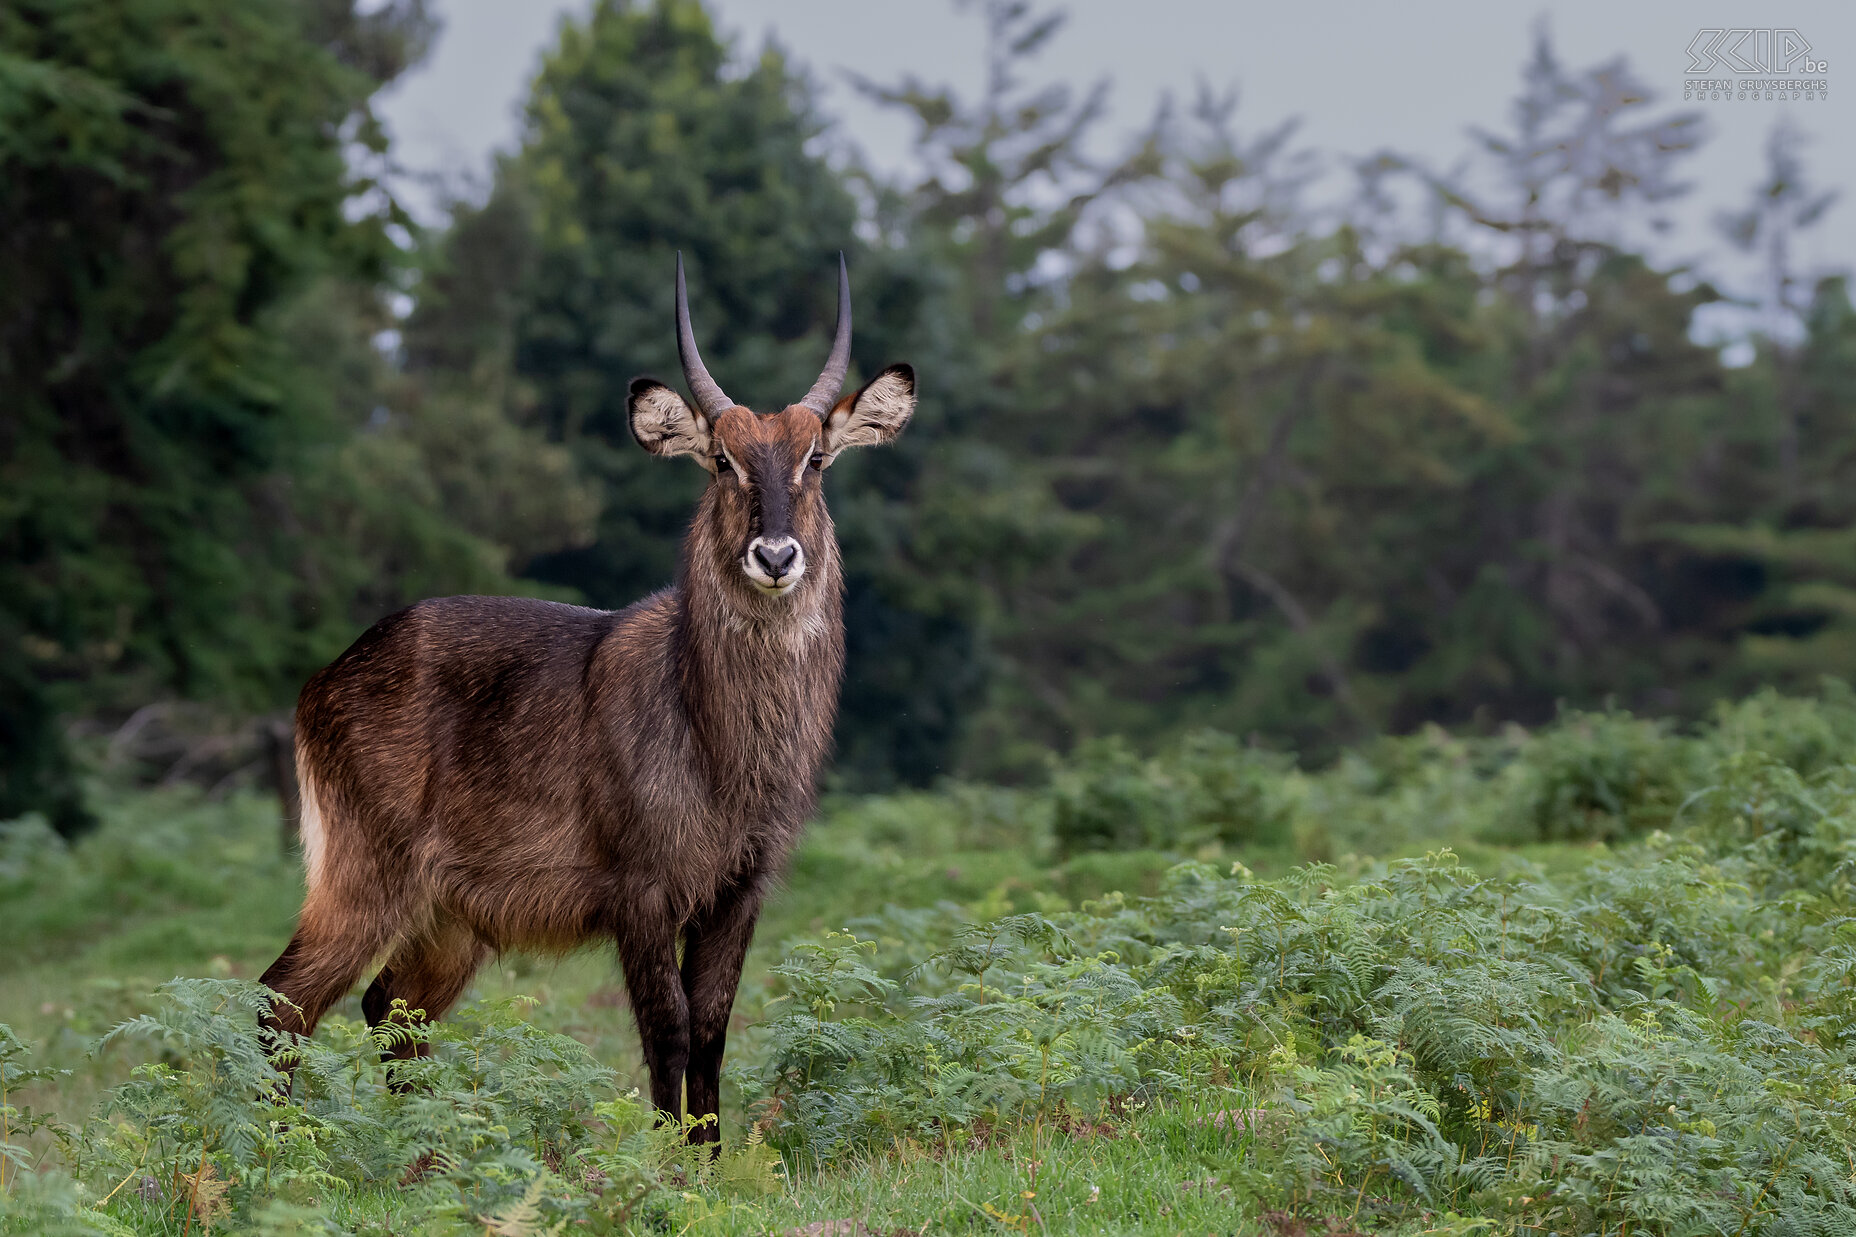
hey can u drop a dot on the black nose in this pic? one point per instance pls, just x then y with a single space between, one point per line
775 560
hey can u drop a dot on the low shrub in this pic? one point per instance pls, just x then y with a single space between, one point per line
1655 1034
504 1128
1206 789
1661 1042
1806 733
1601 777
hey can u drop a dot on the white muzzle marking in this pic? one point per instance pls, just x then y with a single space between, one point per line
766 555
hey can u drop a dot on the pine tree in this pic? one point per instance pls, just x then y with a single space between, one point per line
172 178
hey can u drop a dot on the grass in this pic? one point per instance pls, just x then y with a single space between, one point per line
176 886
1058 1010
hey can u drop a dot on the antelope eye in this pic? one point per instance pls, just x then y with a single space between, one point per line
817 461
722 465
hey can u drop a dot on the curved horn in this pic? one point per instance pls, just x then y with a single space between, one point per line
824 392
709 396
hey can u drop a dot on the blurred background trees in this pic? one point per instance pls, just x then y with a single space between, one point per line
1193 451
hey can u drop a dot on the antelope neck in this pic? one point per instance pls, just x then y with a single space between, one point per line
760 674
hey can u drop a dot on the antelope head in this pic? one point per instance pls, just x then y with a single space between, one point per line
766 503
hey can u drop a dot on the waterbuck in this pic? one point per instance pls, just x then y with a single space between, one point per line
490 773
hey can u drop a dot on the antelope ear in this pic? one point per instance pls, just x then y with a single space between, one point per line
664 423
874 415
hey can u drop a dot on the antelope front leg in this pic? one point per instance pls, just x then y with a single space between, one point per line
648 956
714 946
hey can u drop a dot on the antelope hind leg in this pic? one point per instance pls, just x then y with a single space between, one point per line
429 972
329 952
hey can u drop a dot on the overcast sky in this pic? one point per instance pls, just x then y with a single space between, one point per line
1361 76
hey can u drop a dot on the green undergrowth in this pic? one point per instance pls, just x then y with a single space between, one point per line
1598 979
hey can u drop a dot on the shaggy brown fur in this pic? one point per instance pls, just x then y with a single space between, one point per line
488 773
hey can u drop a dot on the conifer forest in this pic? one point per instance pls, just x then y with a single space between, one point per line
1347 724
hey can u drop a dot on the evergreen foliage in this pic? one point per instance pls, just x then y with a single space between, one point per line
173 172
1191 452
211 476
1319 480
